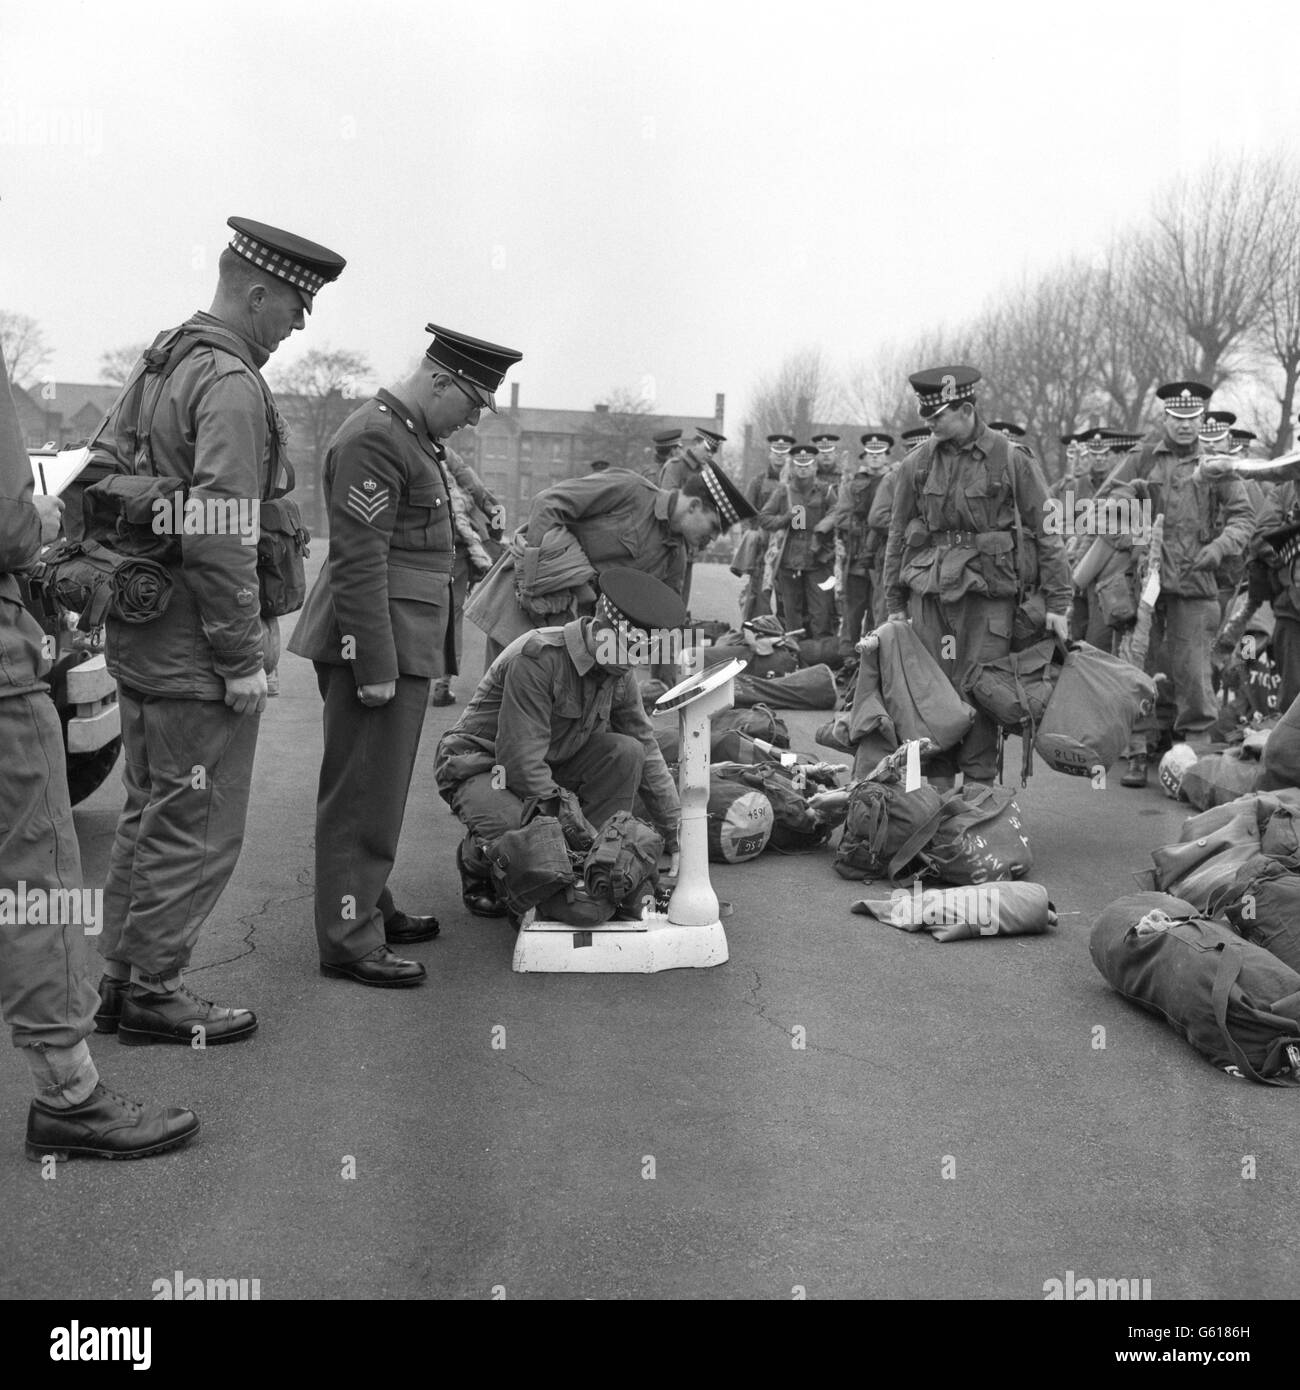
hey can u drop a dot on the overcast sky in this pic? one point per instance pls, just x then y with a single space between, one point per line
664 195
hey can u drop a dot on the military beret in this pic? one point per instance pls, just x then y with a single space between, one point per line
639 600
302 263
880 443
1007 428
1184 399
939 387
474 363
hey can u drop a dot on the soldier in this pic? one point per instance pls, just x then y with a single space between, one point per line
1008 430
802 510
1215 431
852 529
705 447
754 600
469 500
1206 520
668 445
878 518
192 683
1094 458
1241 442
954 538
377 628
560 709
47 991
828 457
616 519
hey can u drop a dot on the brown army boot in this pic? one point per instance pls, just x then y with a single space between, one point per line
1136 776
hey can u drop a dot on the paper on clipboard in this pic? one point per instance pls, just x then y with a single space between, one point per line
52 473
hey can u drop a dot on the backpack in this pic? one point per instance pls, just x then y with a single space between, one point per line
795 827
92 581
886 828
623 860
531 864
1218 778
121 507
740 821
1237 1004
981 836
1015 690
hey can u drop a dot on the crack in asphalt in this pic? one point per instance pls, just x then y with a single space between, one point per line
251 920
761 1011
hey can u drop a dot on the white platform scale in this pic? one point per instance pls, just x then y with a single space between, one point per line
689 934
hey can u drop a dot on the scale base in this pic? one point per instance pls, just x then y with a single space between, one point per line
642 948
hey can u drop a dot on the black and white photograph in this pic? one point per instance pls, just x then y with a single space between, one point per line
650 653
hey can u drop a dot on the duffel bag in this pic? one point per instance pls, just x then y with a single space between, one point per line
981 836
1218 778
739 819
1196 866
795 827
1281 837
1263 905
757 722
812 688
1282 752
1015 691
885 829
1238 1005
1002 908
1089 719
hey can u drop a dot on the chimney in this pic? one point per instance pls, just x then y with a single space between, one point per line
514 395
719 409
602 409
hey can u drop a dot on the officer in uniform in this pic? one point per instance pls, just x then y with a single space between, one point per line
560 708
803 511
1207 520
951 556
668 444
828 457
377 628
1094 458
704 448
852 529
47 991
878 518
192 682
617 519
1241 442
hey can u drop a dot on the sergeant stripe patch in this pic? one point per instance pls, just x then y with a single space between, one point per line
367 506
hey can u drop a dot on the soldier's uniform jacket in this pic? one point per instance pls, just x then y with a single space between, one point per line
882 509
1281 509
387 582
21 663
803 548
852 519
210 428
617 519
538 704
952 530
759 491
1213 514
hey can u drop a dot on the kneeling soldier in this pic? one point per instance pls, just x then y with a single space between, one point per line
559 710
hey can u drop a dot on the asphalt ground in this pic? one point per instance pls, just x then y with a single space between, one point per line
949 1130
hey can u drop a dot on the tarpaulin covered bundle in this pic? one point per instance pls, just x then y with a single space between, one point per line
1236 1003
813 688
1004 907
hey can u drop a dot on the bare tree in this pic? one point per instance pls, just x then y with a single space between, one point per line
619 432
801 390
117 364
1277 332
22 345
1204 263
324 382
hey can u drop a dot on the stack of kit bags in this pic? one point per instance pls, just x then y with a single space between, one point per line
1213 944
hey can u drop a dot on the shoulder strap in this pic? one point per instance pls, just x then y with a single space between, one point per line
1224 979
1010 465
